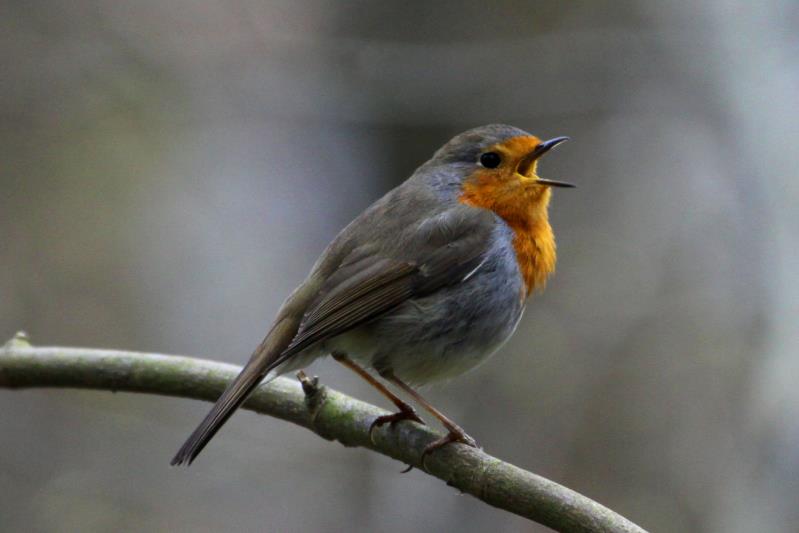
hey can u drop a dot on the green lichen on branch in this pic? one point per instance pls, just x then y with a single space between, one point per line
326 412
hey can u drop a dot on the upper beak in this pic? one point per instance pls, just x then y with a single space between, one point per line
532 157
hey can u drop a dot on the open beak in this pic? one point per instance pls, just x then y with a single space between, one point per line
527 162
555 183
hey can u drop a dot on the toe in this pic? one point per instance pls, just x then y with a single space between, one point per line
393 419
460 437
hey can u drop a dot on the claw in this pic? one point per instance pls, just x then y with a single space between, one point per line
452 436
403 414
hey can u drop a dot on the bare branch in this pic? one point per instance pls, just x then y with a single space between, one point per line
326 412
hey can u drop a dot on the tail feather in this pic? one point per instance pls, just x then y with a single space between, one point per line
235 394
267 357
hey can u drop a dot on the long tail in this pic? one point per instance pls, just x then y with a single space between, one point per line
264 364
235 394
267 357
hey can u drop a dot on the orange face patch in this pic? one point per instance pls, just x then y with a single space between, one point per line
516 148
521 203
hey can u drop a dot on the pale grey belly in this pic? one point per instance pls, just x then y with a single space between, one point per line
440 336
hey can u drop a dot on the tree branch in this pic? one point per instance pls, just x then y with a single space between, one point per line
326 412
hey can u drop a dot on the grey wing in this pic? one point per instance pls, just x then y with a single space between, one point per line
373 279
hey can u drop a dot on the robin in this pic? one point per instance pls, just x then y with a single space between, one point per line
424 285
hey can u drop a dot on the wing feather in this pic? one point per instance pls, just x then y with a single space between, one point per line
448 250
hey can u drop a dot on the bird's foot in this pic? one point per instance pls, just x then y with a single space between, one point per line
405 413
455 434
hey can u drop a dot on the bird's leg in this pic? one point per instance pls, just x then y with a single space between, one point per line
456 433
405 412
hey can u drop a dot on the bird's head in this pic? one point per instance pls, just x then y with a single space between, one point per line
497 167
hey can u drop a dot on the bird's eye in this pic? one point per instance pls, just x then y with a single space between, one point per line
490 160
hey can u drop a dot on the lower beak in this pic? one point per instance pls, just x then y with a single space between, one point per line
532 157
553 183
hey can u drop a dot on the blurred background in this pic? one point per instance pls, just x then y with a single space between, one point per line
170 171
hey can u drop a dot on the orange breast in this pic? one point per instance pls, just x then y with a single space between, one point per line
527 216
535 252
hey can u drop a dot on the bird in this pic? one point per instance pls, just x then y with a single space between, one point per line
424 285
